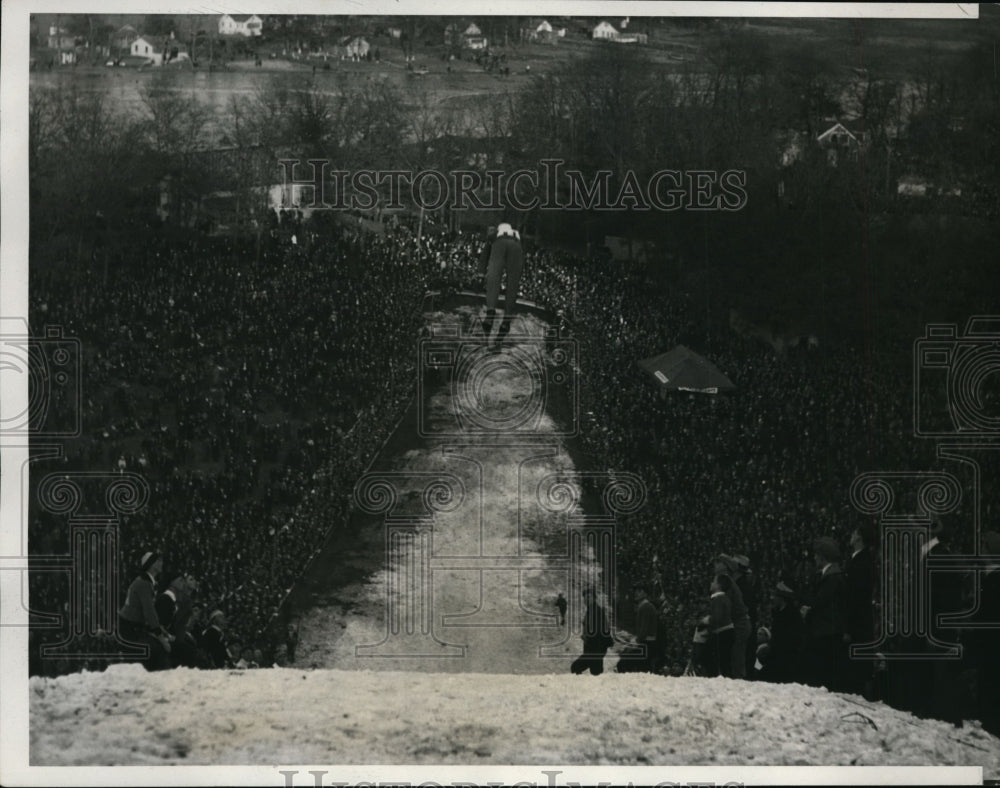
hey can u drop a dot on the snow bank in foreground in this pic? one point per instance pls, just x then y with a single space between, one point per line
127 716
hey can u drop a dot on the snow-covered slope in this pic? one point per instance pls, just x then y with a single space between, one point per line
128 716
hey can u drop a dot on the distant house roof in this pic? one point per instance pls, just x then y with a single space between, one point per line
852 129
240 17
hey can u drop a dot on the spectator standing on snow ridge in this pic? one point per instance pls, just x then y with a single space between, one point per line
826 620
642 657
137 618
785 650
213 641
175 608
721 629
596 637
561 607
859 587
725 571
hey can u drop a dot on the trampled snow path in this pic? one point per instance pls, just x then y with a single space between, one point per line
126 716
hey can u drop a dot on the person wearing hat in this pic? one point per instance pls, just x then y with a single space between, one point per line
826 620
786 637
213 641
720 625
859 580
596 637
138 621
175 608
727 567
643 657
505 258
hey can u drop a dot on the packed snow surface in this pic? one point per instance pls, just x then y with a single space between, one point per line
126 716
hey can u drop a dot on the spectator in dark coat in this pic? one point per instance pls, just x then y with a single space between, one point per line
720 626
596 637
826 620
137 618
213 641
561 607
726 570
785 651
859 580
175 608
642 657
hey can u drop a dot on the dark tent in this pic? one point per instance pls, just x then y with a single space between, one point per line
684 370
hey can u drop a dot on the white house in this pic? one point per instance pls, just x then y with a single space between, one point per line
240 25
604 30
843 139
355 47
541 30
838 134
149 47
159 50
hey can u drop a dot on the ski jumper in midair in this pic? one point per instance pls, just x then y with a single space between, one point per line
504 256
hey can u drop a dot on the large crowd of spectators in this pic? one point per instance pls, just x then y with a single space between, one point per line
250 384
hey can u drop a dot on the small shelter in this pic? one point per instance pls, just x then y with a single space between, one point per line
684 370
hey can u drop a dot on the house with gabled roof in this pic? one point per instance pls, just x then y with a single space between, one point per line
240 25
158 50
604 30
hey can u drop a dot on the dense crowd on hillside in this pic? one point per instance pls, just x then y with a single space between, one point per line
250 385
